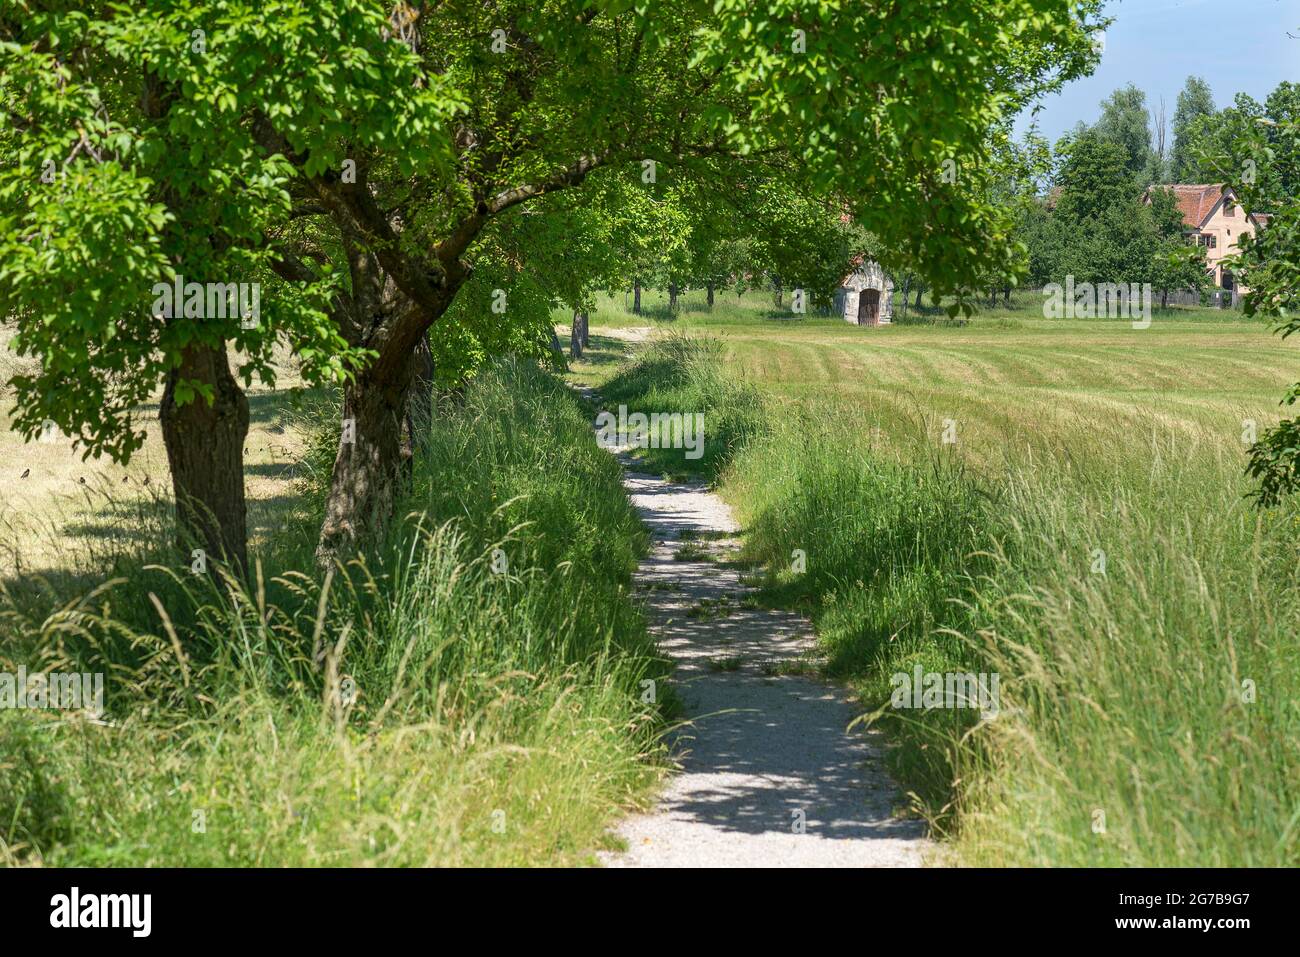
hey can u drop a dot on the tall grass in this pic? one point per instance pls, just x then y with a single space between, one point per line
422 704
886 547
681 374
1147 711
1153 708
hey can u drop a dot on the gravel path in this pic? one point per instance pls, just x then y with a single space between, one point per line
770 775
627 333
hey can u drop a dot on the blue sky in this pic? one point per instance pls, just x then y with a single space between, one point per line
1237 45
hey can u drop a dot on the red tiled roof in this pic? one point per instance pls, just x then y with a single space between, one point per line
1195 201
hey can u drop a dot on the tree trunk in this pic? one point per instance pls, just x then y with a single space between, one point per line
672 298
919 289
367 468
636 297
586 330
776 291
575 337
205 451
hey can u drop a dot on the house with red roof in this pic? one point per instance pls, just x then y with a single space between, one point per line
1214 219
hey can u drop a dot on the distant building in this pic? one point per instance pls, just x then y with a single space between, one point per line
865 296
1213 219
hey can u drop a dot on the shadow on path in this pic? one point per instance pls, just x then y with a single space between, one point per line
770 773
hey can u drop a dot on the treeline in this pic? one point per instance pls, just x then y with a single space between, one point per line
761 233
1096 226
1092 206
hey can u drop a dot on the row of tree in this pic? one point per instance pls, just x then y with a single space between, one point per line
1184 150
416 185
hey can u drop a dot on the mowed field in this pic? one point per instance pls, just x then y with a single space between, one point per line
1060 503
60 513
1013 387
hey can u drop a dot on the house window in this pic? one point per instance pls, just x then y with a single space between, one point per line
1228 208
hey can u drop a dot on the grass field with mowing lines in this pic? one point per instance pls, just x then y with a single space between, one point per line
1014 386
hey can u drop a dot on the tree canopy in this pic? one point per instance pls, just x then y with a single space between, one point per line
382 171
1194 101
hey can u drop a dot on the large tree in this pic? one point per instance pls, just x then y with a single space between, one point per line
1126 122
123 179
1194 101
1092 178
357 156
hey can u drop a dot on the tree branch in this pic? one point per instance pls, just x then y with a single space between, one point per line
571 176
354 209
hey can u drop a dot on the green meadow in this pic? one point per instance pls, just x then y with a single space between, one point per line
1057 503
1060 503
